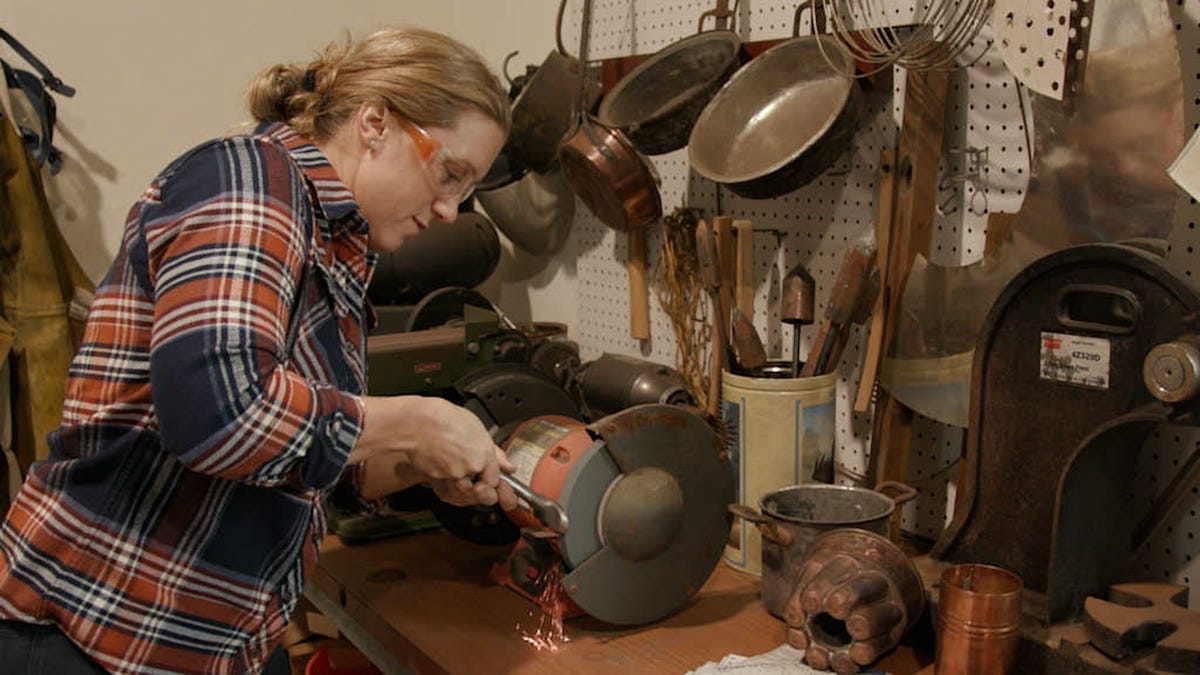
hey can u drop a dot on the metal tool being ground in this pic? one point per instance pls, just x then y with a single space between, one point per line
796 307
545 509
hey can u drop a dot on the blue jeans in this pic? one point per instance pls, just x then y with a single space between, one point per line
37 649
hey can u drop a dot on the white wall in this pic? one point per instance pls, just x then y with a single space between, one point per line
155 78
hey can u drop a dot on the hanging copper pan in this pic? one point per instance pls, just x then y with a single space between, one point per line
619 186
610 176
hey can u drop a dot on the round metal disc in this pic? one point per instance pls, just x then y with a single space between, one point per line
659 449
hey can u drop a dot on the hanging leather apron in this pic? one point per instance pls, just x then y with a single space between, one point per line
38 277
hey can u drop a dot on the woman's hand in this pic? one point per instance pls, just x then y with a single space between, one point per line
431 438
465 492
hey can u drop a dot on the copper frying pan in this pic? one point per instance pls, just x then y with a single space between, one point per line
618 185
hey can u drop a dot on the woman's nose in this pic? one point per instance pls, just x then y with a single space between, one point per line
445 209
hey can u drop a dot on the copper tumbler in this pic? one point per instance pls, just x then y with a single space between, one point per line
979 617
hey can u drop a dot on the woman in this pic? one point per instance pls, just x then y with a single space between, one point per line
220 387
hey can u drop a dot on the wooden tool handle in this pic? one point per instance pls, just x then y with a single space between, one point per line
820 344
706 257
639 296
744 283
723 236
883 240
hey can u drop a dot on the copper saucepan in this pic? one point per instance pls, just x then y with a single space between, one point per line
618 185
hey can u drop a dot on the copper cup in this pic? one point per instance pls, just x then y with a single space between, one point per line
979 617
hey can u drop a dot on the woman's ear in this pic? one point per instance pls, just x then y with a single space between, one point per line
371 123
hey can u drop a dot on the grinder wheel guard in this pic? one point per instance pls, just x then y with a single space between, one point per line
646 492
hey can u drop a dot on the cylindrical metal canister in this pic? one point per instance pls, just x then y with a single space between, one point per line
979 617
781 433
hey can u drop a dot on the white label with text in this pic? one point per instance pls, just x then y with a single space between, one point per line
1075 359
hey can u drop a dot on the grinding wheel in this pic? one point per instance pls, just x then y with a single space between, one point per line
646 491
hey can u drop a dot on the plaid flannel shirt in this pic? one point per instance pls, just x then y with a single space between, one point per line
171 526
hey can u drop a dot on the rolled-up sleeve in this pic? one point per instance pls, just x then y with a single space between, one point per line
226 246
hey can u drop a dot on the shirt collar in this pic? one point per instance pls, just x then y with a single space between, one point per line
333 198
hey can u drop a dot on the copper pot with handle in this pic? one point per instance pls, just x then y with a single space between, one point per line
619 186
792 518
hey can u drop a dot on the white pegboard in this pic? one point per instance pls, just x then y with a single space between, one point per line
986 112
1032 39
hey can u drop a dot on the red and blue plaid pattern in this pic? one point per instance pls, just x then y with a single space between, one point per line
170 528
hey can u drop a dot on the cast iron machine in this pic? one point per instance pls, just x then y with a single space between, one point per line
1084 354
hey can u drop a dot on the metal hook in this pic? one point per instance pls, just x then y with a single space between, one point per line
504 69
975 192
774 231
976 159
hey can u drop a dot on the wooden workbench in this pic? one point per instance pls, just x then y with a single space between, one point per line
427 601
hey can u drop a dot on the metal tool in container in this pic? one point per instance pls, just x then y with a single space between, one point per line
850 302
797 307
748 348
710 277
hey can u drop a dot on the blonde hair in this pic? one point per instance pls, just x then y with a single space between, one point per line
425 76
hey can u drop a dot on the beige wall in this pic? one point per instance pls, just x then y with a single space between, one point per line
155 78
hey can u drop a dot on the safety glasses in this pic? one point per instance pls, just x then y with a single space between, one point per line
440 168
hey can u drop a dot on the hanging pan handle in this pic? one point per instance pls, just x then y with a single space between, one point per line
724 17
817 23
562 48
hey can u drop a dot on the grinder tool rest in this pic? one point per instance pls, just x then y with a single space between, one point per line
645 491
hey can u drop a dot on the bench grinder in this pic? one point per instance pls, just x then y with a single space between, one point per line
645 491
